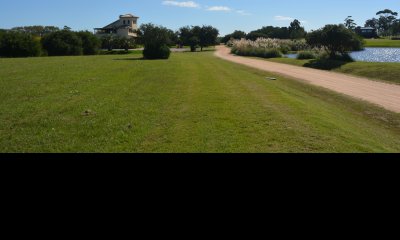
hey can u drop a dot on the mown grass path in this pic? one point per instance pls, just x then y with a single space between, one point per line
193 102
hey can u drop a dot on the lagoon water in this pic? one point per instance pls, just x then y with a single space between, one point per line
377 55
372 55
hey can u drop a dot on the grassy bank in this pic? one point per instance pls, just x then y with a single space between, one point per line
193 102
382 43
388 72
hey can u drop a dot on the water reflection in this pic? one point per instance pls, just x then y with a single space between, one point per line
371 55
377 55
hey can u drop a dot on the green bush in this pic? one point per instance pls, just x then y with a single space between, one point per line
17 44
62 43
157 52
155 40
285 49
90 43
272 53
306 55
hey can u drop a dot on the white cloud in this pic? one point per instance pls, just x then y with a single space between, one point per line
188 4
283 18
192 4
219 8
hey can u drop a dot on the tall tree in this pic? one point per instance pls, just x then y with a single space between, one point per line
386 19
208 36
349 23
235 35
187 37
296 31
373 22
335 39
155 40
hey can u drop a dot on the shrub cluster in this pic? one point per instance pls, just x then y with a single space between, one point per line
336 40
197 36
306 55
58 43
157 52
155 40
68 43
17 44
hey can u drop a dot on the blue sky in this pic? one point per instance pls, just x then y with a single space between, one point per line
226 15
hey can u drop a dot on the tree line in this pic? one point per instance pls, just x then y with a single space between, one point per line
385 21
293 31
33 41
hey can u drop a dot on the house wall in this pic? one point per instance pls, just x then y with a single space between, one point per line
125 33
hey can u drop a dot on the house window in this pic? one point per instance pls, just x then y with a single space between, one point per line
124 22
129 21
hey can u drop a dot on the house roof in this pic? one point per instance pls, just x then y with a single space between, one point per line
128 16
368 28
112 25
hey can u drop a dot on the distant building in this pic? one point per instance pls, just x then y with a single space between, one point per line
367 32
125 26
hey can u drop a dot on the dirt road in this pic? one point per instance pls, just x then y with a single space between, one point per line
382 94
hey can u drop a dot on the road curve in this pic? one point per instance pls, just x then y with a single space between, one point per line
383 94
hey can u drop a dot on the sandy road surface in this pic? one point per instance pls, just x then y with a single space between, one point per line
382 94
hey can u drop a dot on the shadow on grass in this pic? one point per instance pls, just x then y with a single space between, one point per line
325 64
138 59
130 59
198 51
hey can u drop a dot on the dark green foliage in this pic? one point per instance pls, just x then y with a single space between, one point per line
198 36
107 42
207 36
258 52
188 36
162 52
90 43
62 43
325 64
17 44
296 31
121 52
270 32
306 55
336 39
235 35
395 30
386 23
155 40
349 23
39 31
193 42
173 38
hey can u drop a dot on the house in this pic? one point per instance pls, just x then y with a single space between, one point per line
367 32
125 26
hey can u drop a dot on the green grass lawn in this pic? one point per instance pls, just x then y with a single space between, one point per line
193 102
388 72
382 43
